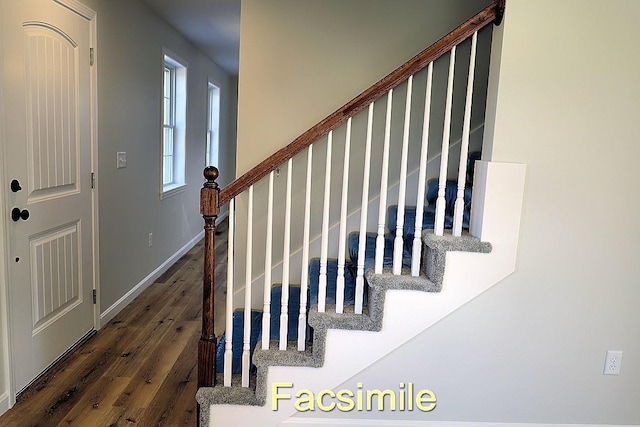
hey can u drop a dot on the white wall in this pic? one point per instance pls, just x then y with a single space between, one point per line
531 349
129 60
228 153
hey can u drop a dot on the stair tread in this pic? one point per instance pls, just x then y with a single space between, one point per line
405 281
233 395
447 242
273 356
347 320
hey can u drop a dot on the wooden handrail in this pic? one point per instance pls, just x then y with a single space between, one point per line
489 14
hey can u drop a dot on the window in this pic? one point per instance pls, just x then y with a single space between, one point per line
213 125
174 112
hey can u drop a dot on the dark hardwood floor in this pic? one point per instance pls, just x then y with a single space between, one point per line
140 368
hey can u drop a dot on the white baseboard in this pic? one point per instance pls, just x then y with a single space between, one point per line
335 422
112 311
4 402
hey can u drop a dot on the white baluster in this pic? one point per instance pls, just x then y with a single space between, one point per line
416 253
228 347
266 311
342 239
324 246
363 215
246 345
384 178
464 150
304 277
398 243
284 302
444 156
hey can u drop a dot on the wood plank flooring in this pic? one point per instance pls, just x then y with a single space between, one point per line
139 369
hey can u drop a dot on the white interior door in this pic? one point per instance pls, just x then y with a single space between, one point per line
47 106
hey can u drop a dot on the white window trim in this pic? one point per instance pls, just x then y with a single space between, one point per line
212 84
179 183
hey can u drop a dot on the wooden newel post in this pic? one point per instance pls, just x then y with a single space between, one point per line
209 208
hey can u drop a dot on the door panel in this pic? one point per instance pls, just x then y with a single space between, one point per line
46 86
55 277
51 63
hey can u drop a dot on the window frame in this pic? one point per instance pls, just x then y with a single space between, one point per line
173 123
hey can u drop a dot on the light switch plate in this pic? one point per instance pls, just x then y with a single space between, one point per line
121 159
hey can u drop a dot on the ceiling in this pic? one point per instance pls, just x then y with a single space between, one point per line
212 25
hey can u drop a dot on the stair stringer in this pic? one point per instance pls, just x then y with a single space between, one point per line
496 213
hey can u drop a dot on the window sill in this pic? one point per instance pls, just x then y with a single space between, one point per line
171 190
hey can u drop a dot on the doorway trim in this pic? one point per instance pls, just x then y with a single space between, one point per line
91 16
7 395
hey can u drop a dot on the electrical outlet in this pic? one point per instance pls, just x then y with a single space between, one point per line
150 239
612 362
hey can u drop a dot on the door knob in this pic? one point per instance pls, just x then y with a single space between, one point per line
15 186
17 214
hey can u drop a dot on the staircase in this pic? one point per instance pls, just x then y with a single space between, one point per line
367 283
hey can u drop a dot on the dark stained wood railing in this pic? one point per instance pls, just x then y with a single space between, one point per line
491 13
212 198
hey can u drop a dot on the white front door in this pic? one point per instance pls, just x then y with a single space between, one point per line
47 119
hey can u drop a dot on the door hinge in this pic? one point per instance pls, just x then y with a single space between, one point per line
95 297
90 56
93 180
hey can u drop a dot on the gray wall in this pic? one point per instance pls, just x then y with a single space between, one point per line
129 60
300 61
532 348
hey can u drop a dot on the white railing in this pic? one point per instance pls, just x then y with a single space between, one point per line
362 236
416 253
266 311
228 349
317 217
398 243
464 148
246 343
304 276
384 186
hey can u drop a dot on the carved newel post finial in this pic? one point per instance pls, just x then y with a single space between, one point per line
211 173
209 208
209 193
